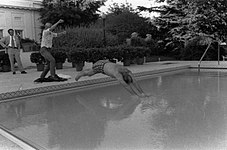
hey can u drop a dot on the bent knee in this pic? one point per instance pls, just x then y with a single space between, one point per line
90 72
52 60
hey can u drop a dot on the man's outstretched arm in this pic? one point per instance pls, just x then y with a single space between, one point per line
136 85
61 33
128 87
56 24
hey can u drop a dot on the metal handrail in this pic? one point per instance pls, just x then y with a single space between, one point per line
203 56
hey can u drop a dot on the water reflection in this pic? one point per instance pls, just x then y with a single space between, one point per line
80 123
70 125
18 108
13 113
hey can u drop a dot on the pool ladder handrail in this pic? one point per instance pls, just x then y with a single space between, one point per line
203 56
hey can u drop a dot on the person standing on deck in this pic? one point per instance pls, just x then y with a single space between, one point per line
12 45
46 45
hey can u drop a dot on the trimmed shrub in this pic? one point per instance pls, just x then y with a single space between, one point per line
84 37
5 60
95 54
59 55
77 55
37 58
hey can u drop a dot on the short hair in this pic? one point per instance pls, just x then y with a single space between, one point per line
10 30
126 76
48 25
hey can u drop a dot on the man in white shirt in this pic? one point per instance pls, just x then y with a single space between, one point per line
12 45
46 45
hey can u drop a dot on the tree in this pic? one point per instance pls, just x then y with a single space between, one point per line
122 20
75 13
185 19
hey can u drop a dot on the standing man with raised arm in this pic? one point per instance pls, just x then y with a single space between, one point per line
46 45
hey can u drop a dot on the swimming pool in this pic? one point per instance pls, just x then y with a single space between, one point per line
186 110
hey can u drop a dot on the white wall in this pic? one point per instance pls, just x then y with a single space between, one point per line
21 15
21 3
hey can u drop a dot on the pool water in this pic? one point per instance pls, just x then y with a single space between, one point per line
186 111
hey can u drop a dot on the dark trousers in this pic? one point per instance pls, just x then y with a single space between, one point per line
50 62
2 53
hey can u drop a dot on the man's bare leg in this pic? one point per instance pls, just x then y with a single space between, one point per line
86 72
138 88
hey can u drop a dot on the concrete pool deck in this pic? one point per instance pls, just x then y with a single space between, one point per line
9 83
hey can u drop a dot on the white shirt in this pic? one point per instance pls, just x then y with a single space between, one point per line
47 38
10 41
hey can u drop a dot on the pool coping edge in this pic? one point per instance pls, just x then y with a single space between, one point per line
4 97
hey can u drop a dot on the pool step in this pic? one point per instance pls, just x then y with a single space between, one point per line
213 67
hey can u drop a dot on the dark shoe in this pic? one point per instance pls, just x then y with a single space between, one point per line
14 72
56 78
60 78
41 80
23 72
51 78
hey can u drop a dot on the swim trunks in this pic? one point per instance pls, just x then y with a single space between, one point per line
99 66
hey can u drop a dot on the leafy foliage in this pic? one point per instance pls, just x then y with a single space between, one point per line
84 37
75 13
37 58
123 20
183 20
77 55
5 60
59 54
187 19
194 49
95 54
112 52
117 9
